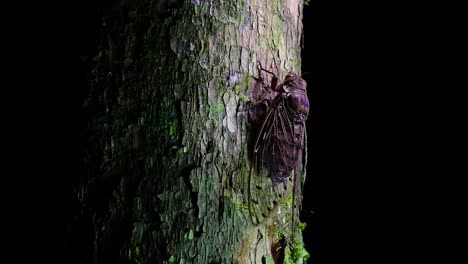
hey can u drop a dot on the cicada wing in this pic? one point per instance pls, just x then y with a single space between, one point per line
275 155
257 199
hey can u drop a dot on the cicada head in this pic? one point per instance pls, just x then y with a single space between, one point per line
293 83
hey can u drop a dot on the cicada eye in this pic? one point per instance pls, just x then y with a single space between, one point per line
290 77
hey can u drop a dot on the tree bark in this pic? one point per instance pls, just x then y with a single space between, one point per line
167 147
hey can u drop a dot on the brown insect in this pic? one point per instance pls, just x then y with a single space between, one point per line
278 141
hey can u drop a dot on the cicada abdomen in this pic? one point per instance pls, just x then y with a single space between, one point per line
277 145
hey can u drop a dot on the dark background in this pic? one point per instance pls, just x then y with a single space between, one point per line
382 185
381 133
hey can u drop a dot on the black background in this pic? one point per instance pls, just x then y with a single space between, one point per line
383 130
381 176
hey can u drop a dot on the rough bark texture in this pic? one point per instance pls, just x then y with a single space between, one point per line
167 151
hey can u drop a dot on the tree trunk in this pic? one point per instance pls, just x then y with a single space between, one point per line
167 154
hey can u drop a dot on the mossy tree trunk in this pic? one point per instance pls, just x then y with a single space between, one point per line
167 154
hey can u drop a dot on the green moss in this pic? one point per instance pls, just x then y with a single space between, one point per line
134 255
217 109
240 4
192 137
243 14
241 206
181 152
137 251
167 125
277 3
222 88
243 98
240 202
302 225
296 254
273 231
173 128
278 36
241 88
189 235
287 200
269 260
294 64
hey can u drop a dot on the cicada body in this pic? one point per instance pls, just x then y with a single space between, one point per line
278 141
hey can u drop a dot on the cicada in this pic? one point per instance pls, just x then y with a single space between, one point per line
278 139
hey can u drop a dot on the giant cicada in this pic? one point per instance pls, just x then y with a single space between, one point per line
278 139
